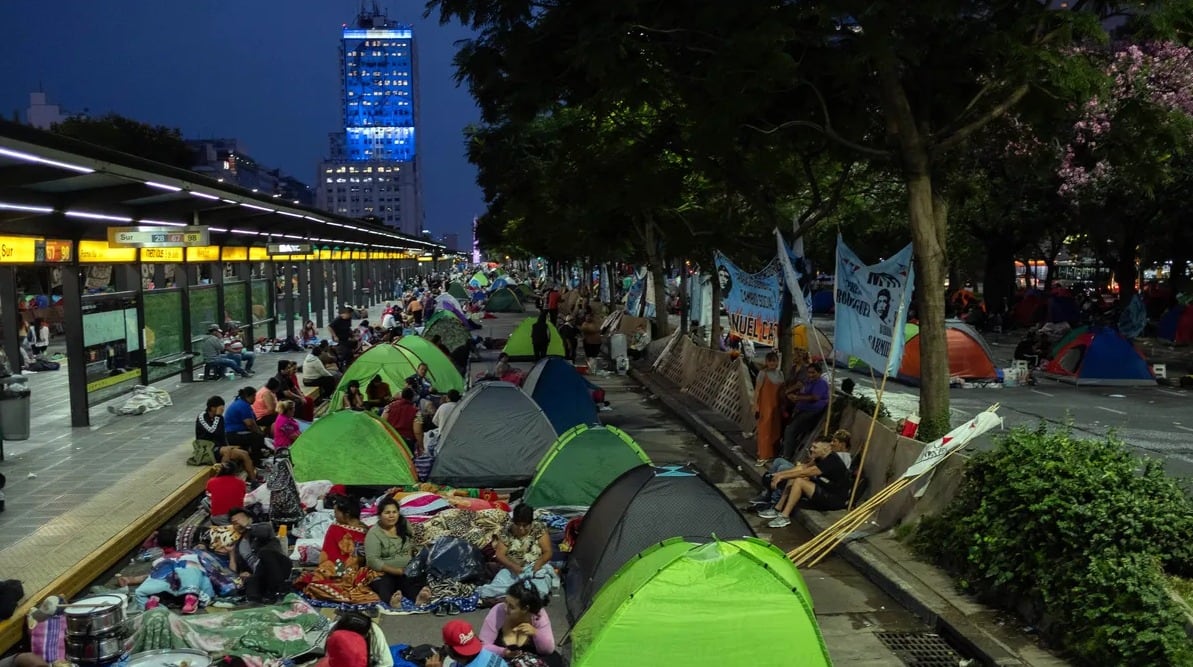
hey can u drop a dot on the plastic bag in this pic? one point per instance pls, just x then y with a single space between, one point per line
450 558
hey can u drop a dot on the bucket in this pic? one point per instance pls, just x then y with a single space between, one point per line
911 426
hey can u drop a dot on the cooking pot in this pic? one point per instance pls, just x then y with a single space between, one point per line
170 657
96 649
94 616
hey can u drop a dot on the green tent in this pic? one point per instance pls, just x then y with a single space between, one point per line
1068 338
394 364
519 347
444 376
739 602
504 301
457 290
524 292
350 447
480 279
449 328
581 463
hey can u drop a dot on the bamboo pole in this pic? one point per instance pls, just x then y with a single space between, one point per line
869 434
838 528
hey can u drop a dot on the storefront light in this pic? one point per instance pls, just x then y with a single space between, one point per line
41 160
97 216
21 207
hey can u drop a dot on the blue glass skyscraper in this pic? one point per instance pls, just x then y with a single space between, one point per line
373 169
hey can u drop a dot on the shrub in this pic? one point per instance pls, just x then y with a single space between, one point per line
1077 535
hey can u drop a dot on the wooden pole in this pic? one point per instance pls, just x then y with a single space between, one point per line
869 434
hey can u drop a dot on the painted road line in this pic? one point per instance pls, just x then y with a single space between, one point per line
1184 428
1172 393
1042 393
1117 412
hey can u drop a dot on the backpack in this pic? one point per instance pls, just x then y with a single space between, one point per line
202 453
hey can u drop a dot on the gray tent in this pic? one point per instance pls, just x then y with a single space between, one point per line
496 436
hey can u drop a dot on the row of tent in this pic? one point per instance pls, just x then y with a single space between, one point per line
500 295
497 435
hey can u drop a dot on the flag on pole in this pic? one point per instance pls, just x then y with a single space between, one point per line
795 274
936 451
871 307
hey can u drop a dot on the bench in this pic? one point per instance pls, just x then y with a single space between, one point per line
172 359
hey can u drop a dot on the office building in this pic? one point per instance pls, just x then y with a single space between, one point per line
227 161
372 171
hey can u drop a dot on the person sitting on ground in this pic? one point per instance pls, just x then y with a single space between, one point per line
241 424
353 399
212 349
519 625
523 549
225 491
841 441
310 334
315 373
265 405
464 649
449 403
285 427
341 575
291 390
345 648
262 565
379 654
401 414
210 426
388 321
822 485
808 406
502 368
176 573
424 422
378 394
388 551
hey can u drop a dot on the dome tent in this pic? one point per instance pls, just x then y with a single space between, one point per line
504 301
352 448
682 603
1100 356
563 394
581 463
443 372
643 506
970 357
495 436
457 290
395 363
449 328
519 347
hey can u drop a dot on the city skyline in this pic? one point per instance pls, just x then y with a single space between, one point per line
268 78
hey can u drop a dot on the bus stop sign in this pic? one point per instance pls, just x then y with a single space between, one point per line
158 237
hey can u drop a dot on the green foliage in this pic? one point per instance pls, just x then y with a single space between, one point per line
152 142
1078 535
865 405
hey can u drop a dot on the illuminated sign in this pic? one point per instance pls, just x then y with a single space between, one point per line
289 248
159 255
18 249
207 253
378 34
258 254
235 254
55 251
99 252
157 237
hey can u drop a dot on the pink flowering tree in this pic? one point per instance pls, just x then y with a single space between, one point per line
1125 165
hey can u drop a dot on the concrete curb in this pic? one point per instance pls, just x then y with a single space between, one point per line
885 572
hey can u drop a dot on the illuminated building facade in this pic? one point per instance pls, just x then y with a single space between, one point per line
373 170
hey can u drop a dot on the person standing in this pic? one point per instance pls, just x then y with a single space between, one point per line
540 335
401 414
569 333
768 411
590 333
341 333
552 304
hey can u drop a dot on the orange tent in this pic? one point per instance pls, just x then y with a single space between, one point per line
969 355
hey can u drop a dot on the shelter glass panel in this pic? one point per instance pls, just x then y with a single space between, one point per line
236 302
204 309
164 335
112 345
263 309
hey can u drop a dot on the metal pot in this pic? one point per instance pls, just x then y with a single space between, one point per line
177 657
95 616
101 648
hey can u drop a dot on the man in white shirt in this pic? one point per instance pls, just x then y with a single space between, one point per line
445 408
315 374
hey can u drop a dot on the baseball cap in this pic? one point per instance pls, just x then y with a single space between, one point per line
460 638
214 327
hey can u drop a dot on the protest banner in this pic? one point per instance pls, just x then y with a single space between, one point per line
751 299
871 307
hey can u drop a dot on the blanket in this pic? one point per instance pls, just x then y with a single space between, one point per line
263 635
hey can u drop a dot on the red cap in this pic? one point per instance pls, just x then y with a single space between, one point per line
347 649
460 638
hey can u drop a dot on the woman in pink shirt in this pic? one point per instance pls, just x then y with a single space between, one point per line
520 625
285 429
265 405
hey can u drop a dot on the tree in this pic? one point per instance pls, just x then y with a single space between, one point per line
152 142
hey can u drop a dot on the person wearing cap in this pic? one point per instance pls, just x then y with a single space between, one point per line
212 349
463 647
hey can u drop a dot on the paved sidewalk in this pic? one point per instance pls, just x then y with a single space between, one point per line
71 489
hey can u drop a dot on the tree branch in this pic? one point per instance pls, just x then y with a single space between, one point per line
828 133
965 131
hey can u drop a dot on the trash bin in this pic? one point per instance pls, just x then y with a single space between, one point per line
14 408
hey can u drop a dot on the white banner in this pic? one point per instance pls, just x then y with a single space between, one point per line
795 274
936 451
871 307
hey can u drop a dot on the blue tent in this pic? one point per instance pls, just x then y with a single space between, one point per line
1170 323
1100 356
562 393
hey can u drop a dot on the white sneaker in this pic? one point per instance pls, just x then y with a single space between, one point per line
768 513
779 522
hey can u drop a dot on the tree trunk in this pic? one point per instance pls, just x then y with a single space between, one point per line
655 261
1125 272
928 243
999 283
714 329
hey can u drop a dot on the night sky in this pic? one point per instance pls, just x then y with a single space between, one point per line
264 72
